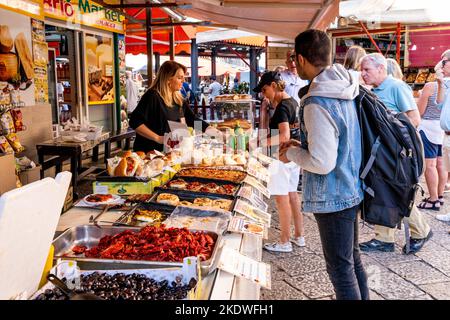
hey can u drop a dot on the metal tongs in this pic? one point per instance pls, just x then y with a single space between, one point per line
93 219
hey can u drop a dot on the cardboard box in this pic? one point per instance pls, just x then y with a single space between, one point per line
30 175
68 203
8 173
122 188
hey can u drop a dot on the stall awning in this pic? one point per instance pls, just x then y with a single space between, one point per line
283 19
136 36
392 11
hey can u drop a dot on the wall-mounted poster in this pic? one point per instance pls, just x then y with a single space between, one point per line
122 66
40 55
100 69
16 60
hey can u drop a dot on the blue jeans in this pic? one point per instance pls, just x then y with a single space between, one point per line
339 237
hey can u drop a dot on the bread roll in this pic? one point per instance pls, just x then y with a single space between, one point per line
141 154
6 41
112 165
126 168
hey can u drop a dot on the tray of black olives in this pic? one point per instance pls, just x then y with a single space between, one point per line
125 285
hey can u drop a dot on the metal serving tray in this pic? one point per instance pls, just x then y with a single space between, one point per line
127 218
191 196
205 181
179 175
89 236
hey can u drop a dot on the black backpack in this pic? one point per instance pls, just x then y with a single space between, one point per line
392 161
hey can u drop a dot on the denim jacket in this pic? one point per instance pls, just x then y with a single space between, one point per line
330 152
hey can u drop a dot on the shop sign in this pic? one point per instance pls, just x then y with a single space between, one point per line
29 8
84 12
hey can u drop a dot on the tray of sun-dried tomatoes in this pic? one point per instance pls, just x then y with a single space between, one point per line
138 248
203 185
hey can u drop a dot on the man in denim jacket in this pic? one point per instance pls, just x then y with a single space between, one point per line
330 154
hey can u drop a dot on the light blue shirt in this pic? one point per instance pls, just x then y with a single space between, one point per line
445 112
396 95
293 84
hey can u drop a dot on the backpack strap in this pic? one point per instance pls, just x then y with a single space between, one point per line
407 236
371 160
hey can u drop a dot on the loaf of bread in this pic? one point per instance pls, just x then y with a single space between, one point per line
25 57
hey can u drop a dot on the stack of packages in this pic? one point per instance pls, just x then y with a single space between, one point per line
11 122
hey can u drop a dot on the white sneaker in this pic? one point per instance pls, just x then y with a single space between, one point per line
299 241
443 217
447 188
278 247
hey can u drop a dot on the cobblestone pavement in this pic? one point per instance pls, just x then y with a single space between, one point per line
425 275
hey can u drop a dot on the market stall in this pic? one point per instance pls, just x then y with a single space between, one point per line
205 197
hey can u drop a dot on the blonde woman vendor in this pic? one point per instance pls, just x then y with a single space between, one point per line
162 102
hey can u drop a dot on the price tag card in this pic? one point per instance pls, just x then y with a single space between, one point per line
254 163
253 196
242 266
258 175
258 185
244 208
265 160
240 225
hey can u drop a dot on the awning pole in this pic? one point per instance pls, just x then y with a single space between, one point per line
194 65
157 61
148 12
254 67
267 52
399 41
172 44
213 61
370 36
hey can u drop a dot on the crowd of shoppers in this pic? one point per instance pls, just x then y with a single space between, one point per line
330 154
315 126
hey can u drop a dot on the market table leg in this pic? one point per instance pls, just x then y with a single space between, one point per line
127 143
95 153
58 166
107 151
41 162
80 161
74 169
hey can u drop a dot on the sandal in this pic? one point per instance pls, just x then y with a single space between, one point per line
441 200
435 205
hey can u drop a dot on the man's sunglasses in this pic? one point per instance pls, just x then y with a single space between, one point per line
444 62
292 57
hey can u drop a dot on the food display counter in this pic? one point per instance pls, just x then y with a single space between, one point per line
219 285
199 198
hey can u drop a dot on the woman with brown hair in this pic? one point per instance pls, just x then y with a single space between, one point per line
353 58
161 103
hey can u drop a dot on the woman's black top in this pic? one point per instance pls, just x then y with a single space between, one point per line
152 111
286 111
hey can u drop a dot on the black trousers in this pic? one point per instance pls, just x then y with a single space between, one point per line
339 237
